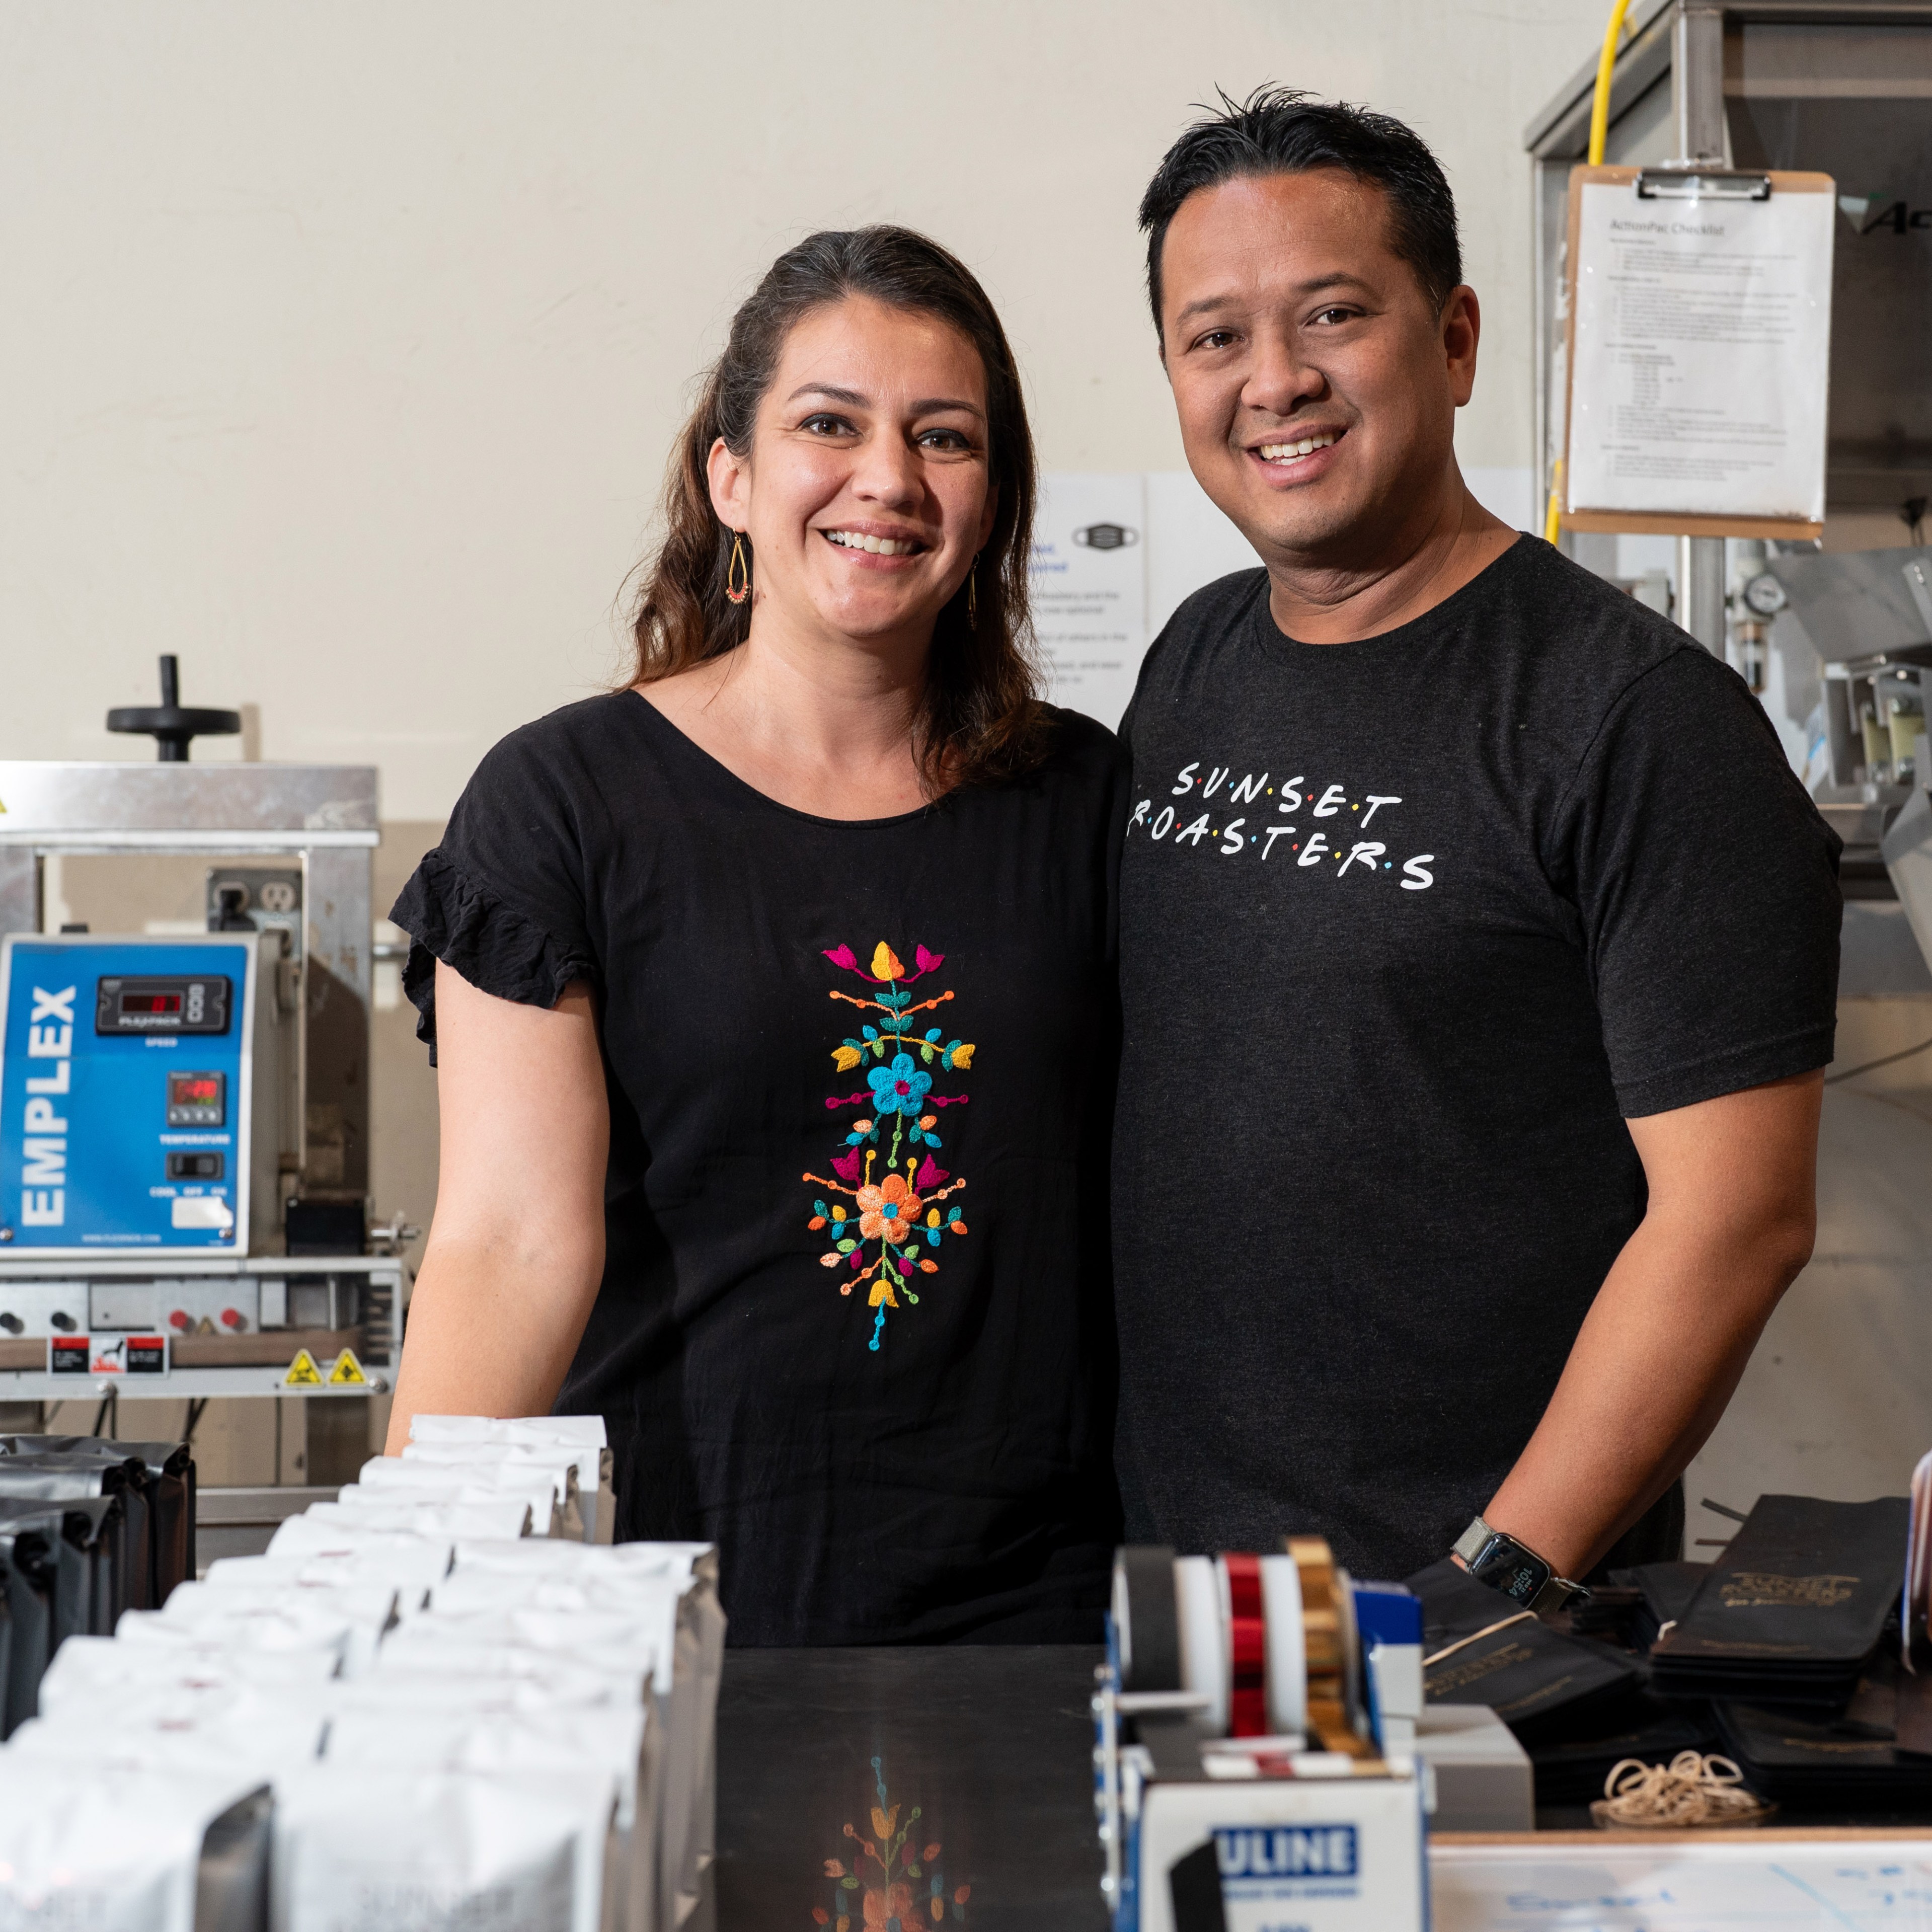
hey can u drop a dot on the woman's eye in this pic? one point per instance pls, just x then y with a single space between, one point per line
825 424
951 440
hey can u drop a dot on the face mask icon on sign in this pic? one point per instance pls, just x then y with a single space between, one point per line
1106 536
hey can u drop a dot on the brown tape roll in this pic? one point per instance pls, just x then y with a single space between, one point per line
1324 1635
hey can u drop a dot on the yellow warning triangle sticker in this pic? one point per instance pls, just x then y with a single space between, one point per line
348 1369
303 1372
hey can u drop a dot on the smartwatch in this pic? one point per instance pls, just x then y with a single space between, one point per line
1508 1566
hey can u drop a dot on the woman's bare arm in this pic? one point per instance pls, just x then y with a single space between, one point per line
516 1250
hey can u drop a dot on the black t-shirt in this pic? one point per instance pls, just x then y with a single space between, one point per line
1407 925
855 1322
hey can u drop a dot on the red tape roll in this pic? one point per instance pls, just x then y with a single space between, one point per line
1247 1647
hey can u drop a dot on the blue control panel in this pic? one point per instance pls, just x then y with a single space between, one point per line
125 1071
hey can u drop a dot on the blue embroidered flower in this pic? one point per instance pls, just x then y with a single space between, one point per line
900 1087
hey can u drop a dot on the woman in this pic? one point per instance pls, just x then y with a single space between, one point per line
775 999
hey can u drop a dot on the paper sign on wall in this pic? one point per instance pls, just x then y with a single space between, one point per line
1089 588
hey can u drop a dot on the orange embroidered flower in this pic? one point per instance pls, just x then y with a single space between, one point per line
888 1211
887 1902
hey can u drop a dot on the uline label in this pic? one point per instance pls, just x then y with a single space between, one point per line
1286 1851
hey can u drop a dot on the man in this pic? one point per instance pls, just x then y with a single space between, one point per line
1479 948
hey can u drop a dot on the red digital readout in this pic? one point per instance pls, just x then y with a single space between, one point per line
194 1089
151 1003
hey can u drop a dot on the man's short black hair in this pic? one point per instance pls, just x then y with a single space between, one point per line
1285 130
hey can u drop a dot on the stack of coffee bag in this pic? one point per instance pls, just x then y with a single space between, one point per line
444 1698
89 1529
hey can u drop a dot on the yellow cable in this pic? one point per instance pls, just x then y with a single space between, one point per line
1600 132
1606 66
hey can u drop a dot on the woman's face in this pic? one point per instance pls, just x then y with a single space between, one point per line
867 492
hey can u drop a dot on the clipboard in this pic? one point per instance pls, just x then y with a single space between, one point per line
1707 197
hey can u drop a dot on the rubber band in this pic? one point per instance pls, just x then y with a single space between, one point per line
1463 1643
1691 1790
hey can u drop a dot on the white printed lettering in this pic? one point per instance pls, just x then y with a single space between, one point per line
1317 847
1185 774
1214 778
1291 799
43 1207
1231 841
1163 825
42 1119
54 1082
1365 851
49 1042
1248 791
1416 878
1332 801
43 1162
1269 836
1375 805
52 1006
1197 831
1140 813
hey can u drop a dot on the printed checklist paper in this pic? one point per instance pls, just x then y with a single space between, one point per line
1702 344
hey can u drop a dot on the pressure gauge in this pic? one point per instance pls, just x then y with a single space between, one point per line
1766 595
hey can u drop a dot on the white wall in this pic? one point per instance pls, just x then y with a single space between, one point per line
343 345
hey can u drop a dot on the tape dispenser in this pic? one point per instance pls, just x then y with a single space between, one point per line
1253 1763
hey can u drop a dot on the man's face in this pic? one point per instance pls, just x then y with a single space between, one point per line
1316 382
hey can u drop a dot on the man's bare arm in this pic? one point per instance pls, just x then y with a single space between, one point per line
1732 1216
516 1250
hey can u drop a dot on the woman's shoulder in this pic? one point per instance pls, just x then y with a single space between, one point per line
570 744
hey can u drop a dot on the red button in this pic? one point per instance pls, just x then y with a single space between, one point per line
179 1319
233 1318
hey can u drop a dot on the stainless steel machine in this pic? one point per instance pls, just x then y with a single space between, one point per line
133 1253
1845 88
1841 86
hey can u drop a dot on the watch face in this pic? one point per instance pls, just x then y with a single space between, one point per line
1505 1565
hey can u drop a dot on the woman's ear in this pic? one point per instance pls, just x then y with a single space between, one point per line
731 479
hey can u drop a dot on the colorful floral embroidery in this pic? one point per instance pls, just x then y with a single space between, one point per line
900 1209
892 1879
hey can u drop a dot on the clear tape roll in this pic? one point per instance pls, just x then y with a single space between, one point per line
1287 1653
1204 1637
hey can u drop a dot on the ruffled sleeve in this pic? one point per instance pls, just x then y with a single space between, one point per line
501 899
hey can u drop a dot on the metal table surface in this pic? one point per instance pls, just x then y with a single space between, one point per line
969 1766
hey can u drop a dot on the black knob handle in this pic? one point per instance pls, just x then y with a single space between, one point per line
173 728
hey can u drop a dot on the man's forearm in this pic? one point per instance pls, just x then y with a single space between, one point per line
1730 1225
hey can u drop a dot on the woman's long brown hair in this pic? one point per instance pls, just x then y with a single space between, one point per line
980 719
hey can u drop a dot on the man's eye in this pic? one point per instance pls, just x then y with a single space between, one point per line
1329 317
1215 338
825 424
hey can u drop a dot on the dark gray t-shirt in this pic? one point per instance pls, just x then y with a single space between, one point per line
1407 926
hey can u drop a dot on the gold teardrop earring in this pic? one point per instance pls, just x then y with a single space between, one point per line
973 596
738 571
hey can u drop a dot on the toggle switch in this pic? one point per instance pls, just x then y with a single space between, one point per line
64 1322
12 1323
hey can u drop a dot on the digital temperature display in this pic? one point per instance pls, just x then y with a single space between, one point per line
197 1099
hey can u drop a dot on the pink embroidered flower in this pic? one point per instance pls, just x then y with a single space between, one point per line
888 1211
